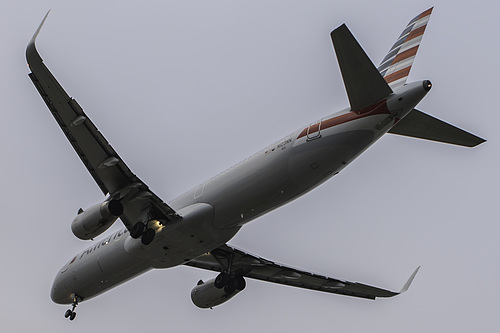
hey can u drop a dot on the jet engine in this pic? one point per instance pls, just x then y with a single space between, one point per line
97 219
206 295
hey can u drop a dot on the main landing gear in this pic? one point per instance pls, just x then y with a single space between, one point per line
70 313
141 230
230 284
229 278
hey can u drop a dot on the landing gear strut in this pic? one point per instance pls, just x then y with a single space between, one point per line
70 313
141 230
222 280
228 279
230 284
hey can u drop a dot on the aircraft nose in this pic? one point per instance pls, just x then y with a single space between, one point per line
58 293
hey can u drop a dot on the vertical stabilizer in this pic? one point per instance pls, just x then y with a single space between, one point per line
363 83
396 65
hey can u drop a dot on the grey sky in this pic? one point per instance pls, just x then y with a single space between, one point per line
184 89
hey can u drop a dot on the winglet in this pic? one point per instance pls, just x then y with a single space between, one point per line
410 280
30 49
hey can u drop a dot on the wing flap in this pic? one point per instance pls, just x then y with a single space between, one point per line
109 171
258 268
92 148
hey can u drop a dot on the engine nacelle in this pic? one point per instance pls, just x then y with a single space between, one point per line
96 220
206 295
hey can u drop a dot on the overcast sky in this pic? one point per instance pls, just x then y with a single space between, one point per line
184 89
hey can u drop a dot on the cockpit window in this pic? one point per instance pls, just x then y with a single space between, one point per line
65 267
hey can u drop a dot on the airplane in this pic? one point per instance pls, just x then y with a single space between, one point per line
194 229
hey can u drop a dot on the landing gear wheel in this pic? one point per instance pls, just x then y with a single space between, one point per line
221 280
148 236
70 313
137 230
231 287
240 282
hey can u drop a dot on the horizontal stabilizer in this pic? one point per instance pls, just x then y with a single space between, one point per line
422 126
363 82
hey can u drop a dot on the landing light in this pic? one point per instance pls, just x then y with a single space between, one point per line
156 225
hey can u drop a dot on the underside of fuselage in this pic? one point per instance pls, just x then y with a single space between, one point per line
211 217
194 228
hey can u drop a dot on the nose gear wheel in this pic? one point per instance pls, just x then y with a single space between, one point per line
70 313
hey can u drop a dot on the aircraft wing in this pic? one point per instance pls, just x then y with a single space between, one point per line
107 168
258 268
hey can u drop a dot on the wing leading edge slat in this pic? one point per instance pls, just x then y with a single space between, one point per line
94 151
109 171
258 268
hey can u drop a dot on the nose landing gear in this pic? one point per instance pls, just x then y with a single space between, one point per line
70 313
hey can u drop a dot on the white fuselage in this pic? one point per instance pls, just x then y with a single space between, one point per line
214 211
